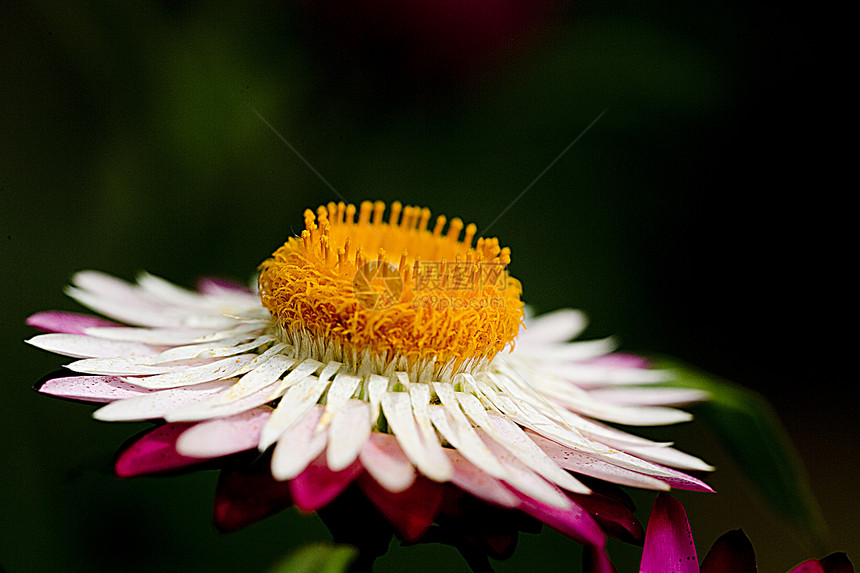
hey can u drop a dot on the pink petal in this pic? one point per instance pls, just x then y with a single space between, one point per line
91 388
731 553
317 485
412 511
224 436
155 452
585 464
66 322
246 496
468 477
385 460
217 285
619 360
680 480
669 545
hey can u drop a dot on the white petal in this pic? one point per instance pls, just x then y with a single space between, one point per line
298 399
168 292
250 391
385 461
460 433
575 432
349 430
82 346
223 436
558 326
397 408
171 336
304 369
467 442
536 388
419 396
376 387
126 366
590 430
118 299
218 370
588 464
670 457
298 446
523 479
513 439
628 415
157 404
587 375
105 285
211 307
342 388
649 396
563 351
219 349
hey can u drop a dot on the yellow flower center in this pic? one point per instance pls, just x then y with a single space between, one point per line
398 291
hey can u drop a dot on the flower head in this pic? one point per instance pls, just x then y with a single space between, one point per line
379 352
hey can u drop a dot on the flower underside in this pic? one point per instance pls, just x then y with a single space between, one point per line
397 289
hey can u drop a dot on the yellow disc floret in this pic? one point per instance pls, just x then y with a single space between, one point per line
398 290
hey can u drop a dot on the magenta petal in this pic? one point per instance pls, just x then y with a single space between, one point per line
731 553
680 480
155 452
833 563
246 496
66 322
614 517
99 389
810 566
317 485
574 521
669 542
411 512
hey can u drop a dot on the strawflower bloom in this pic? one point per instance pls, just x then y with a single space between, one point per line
384 357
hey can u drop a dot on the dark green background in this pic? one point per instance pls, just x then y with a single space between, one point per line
699 217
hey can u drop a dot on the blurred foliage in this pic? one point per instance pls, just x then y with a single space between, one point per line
756 441
317 558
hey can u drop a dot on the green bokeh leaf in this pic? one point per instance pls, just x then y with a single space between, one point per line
754 437
318 558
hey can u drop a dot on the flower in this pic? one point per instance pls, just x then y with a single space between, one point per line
669 546
386 354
